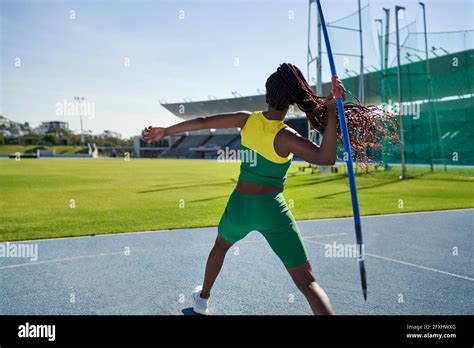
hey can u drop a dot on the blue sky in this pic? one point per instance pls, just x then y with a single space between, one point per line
170 58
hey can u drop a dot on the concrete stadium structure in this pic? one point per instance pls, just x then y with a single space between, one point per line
206 143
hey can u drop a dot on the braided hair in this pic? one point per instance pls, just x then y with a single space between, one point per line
367 125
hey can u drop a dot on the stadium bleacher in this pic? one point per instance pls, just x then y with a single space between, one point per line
234 144
181 149
205 144
220 140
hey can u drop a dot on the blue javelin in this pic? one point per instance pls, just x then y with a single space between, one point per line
348 155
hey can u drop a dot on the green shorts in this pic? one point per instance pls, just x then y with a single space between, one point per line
268 214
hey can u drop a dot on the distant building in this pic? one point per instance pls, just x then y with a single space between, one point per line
5 122
12 129
154 149
5 133
48 126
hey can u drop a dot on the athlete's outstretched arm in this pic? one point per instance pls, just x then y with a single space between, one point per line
227 120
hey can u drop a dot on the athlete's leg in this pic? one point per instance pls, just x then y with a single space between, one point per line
214 265
304 279
283 235
231 229
286 242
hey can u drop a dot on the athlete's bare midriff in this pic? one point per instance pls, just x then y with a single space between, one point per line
250 188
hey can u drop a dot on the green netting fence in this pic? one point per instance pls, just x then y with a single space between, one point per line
437 109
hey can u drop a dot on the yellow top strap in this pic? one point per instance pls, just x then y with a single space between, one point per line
259 133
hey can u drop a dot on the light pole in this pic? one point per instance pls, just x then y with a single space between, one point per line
430 96
80 100
387 32
400 94
319 62
380 37
361 75
382 84
385 56
314 136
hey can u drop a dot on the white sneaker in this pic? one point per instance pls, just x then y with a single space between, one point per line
199 303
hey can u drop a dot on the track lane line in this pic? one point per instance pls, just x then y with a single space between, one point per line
404 263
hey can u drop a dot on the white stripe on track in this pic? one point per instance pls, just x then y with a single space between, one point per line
74 258
404 263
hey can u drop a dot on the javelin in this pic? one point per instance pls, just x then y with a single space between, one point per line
348 155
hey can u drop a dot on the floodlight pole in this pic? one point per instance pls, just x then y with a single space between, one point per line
361 74
385 67
80 100
430 90
430 97
380 38
400 94
382 81
387 32
309 56
318 60
319 65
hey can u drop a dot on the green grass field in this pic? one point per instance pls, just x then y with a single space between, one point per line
72 197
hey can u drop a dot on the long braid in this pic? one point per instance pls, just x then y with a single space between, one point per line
367 125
